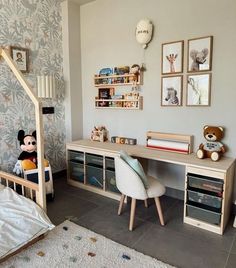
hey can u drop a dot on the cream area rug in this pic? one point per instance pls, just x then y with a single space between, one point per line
70 245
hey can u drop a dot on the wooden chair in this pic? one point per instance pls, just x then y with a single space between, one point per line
129 184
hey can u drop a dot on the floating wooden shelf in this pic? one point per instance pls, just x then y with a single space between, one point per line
117 80
127 104
108 84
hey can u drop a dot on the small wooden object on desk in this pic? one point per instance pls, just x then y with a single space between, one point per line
99 134
170 142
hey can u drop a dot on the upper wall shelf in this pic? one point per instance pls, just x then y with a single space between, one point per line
117 80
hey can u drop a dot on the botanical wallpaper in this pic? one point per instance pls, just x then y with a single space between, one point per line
33 24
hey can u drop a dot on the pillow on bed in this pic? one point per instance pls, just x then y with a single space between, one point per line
136 166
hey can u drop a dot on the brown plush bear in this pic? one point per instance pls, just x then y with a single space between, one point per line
213 148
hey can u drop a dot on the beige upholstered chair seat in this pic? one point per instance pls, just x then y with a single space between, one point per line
130 184
155 188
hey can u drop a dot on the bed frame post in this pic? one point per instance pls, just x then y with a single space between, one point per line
41 197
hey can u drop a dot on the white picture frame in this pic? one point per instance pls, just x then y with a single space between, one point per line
172 57
200 54
171 90
198 89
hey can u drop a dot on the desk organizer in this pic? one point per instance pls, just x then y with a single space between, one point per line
170 142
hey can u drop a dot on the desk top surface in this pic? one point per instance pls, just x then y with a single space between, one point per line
141 151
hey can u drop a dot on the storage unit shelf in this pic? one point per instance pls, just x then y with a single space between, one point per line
110 80
106 85
96 173
127 104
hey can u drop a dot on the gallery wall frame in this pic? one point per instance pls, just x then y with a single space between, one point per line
198 89
200 54
172 57
20 56
171 90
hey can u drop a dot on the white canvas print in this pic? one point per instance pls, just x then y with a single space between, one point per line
198 90
171 92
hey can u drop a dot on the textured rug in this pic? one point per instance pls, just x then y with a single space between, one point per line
70 245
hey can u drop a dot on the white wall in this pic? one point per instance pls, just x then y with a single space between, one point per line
72 70
107 40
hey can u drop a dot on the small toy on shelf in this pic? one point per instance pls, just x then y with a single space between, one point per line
212 148
123 140
135 69
99 133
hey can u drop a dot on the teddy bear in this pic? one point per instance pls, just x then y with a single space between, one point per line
28 157
212 148
135 69
198 57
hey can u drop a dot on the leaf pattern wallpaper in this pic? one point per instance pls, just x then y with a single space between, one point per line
35 25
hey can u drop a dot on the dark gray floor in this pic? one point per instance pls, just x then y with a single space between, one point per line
176 243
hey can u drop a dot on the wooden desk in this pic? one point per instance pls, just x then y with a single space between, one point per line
222 171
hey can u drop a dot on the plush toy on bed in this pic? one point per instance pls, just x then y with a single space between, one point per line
28 158
212 148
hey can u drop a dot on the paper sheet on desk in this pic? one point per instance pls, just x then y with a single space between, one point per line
168 145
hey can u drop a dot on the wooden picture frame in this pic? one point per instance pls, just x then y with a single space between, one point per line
21 57
198 89
172 57
200 54
171 90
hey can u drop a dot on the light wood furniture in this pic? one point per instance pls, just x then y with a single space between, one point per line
4 53
180 138
130 185
222 171
127 104
112 81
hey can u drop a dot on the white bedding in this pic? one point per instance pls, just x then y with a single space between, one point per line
21 220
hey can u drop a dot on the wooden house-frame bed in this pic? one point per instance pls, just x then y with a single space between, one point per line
10 183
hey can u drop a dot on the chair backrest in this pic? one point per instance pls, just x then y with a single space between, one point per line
128 181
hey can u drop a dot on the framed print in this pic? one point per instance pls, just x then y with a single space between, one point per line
104 93
21 57
171 90
198 90
172 57
200 54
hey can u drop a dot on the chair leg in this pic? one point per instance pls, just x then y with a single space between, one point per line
146 203
159 210
132 213
121 204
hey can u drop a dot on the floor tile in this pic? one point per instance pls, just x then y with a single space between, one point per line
65 205
233 249
174 248
231 263
174 221
105 221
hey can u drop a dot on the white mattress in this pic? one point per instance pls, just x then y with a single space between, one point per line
21 220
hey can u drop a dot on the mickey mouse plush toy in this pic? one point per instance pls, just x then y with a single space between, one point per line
28 157
28 146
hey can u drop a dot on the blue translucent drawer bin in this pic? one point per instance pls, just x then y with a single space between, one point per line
76 156
213 202
203 215
111 182
94 160
76 171
94 176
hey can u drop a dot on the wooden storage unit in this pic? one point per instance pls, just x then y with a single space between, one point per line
92 170
208 184
207 201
